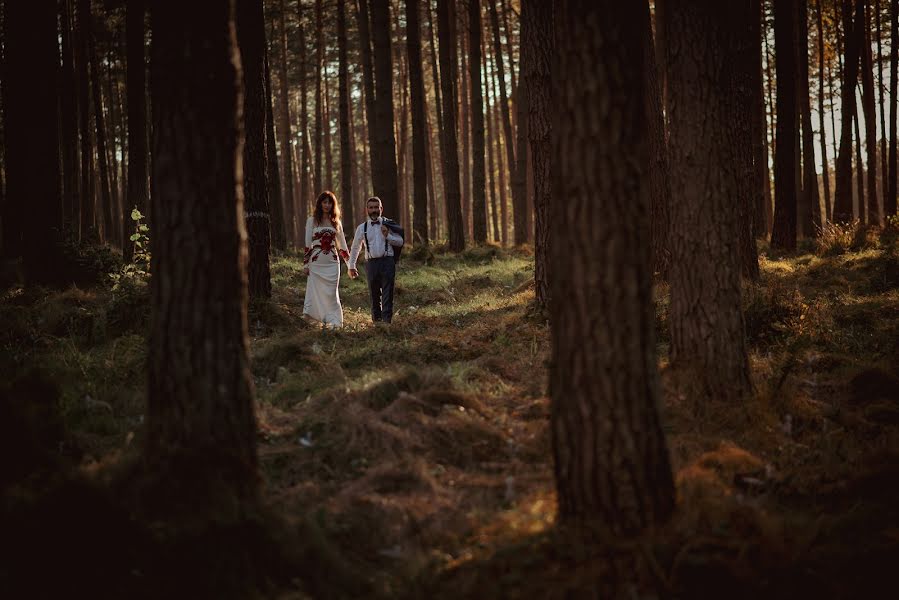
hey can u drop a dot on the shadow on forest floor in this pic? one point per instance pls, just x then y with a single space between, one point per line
415 460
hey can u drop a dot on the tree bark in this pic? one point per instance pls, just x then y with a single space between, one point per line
88 179
760 186
201 428
707 330
100 130
479 171
536 73
490 145
811 210
842 209
889 201
137 120
611 462
32 216
273 179
785 184
288 194
305 194
318 182
871 204
69 121
884 167
419 130
250 24
819 17
445 32
518 205
386 181
343 89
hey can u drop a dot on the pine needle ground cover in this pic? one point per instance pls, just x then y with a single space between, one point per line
415 459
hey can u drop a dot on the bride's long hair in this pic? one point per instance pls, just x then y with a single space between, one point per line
319 214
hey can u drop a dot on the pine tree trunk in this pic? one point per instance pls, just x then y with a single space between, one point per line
419 131
100 128
33 195
858 207
490 145
884 167
536 73
659 191
464 95
69 121
607 395
889 201
273 179
88 180
825 176
343 89
445 31
707 331
288 195
137 120
757 121
305 193
250 24
842 209
520 172
783 235
329 157
518 206
386 181
318 182
479 172
201 428
871 204
811 210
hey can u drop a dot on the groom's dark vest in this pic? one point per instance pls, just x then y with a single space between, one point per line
394 227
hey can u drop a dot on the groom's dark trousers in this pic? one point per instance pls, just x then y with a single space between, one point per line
381 273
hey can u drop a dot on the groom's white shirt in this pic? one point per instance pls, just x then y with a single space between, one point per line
376 238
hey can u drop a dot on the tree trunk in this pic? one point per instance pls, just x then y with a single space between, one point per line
859 200
201 428
419 131
491 165
453 199
607 395
870 205
137 120
479 172
329 157
32 216
88 180
465 127
250 24
769 61
69 121
785 30
520 172
842 209
889 201
318 182
288 195
884 167
811 213
386 181
825 176
518 205
536 73
707 331
273 179
757 119
659 191
343 89
305 194
100 128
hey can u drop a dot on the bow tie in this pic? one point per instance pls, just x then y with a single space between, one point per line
375 223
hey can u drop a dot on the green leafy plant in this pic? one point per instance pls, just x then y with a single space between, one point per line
139 267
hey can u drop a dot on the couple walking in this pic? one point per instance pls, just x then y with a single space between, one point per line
326 246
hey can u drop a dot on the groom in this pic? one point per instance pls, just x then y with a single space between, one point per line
380 268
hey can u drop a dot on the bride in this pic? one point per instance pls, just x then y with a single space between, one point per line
325 246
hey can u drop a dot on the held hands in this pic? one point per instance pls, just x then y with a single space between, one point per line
353 273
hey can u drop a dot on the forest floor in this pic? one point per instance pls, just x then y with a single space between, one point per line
415 458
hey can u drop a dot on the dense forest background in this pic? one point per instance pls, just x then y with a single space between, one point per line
647 327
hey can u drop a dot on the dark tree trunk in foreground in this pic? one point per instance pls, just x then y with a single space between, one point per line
455 226
251 40
536 72
137 120
386 179
659 190
479 171
419 127
200 420
343 90
783 235
33 201
707 339
842 207
604 389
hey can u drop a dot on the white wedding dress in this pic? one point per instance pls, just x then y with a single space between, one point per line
325 247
